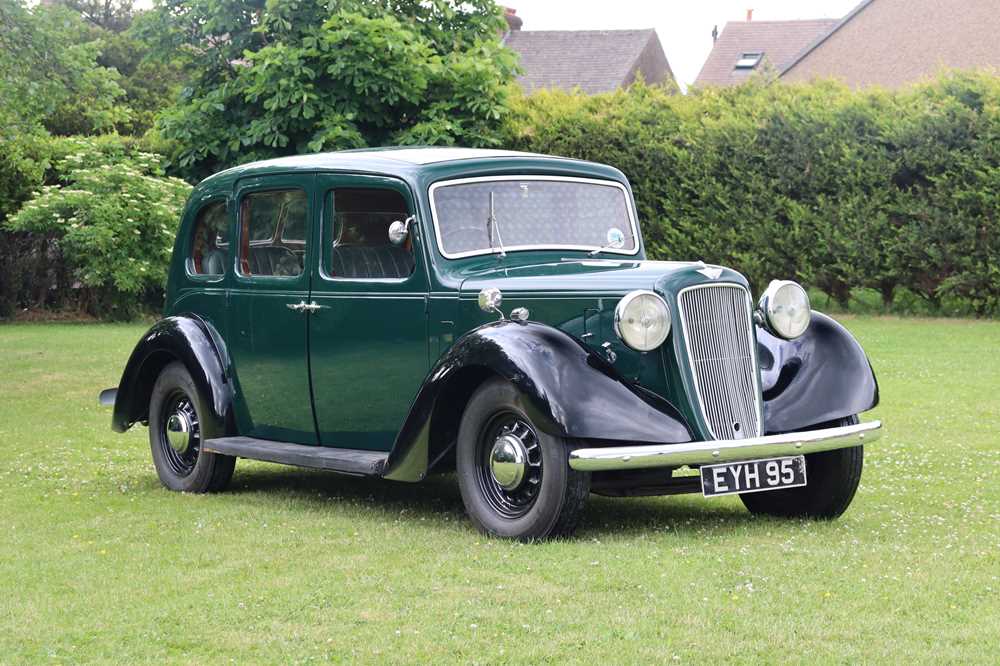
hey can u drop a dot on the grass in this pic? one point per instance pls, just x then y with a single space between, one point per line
98 563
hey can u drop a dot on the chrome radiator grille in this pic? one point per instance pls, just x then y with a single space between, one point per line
718 335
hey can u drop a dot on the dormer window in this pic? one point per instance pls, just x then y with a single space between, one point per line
749 60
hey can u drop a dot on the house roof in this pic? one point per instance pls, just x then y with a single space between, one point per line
596 61
780 42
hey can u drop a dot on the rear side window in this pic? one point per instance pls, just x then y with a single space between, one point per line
209 243
272 233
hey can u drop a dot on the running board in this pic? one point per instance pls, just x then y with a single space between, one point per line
345 461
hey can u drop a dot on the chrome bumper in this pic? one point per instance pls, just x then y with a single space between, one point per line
698 453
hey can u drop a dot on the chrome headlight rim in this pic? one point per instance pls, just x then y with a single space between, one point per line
767 305
621 308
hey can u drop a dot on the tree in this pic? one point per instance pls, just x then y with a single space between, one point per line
286 76
49 75
149 84
110 15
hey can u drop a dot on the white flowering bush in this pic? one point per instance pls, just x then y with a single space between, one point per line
111 222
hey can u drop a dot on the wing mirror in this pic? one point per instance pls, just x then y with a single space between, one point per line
399 230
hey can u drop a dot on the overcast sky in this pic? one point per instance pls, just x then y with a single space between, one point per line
684 26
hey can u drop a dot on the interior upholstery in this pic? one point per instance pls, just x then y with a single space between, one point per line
214 263
371 261
273 260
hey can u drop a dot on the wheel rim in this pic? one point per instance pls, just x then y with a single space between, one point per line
180 434
509 465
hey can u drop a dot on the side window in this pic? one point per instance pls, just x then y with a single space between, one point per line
209 243
356 234
273 233
294 228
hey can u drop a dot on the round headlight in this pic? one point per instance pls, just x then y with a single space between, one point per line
642 320
785 305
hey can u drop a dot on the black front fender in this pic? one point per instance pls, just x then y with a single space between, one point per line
569 391
185 338
822 376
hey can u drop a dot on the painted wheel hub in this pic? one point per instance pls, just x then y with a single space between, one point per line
510 465
180 438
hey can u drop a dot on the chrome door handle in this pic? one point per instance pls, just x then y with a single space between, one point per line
302 306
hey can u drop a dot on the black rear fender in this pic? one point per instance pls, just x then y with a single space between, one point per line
195 343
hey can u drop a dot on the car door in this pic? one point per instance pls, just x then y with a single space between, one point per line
268 320
368 335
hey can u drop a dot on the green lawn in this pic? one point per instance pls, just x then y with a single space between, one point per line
99 563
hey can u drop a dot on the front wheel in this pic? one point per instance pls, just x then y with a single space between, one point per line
515 479
832 478
176 432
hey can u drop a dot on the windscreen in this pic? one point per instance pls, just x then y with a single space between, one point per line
477 217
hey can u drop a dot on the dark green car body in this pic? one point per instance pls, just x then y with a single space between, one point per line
382 364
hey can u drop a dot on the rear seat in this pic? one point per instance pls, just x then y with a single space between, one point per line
271 260
371 261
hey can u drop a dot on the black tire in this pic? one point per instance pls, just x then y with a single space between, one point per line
548 501
832 478
190 470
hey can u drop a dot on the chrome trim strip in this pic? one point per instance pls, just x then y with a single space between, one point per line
751 341
517 248
703 453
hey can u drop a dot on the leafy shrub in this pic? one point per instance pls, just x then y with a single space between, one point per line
107 227
839 189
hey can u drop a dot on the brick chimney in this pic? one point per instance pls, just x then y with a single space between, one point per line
514 22
749 15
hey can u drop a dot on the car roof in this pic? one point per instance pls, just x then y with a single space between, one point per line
405 162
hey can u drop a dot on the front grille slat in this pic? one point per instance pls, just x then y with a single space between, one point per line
718 336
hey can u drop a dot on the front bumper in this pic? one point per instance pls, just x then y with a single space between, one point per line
703 453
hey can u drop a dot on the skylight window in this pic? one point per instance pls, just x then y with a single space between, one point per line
749 60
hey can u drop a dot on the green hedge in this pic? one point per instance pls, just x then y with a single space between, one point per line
897 193
894 192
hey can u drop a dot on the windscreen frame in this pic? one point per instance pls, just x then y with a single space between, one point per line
629 208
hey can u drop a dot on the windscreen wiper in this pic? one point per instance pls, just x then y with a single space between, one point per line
491 224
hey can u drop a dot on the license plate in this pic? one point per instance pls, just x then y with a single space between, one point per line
753 476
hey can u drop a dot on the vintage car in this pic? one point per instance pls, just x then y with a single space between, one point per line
395 312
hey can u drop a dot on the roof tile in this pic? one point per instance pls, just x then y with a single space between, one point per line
594 60
780 42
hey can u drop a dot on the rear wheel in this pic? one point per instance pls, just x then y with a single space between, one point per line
176 433
832 478
515 479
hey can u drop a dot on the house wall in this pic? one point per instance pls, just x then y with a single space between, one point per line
652 62
894 42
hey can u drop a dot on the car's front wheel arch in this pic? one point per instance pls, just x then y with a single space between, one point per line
448 409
